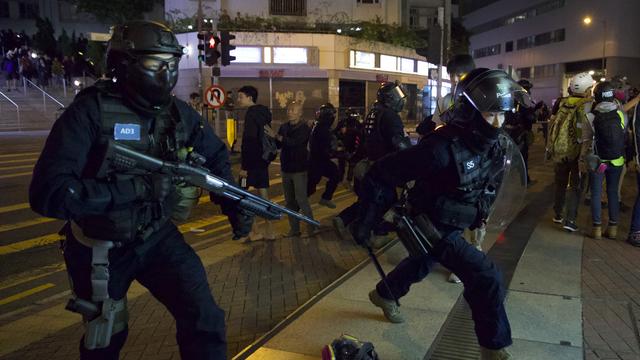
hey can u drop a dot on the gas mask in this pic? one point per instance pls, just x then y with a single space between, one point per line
149 80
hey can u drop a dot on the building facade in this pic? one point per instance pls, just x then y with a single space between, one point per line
316 67
548 41
19 15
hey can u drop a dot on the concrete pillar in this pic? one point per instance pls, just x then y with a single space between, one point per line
333 87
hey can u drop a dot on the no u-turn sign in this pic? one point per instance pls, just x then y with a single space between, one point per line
215 96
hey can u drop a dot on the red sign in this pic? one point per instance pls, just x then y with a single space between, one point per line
215 96
277 73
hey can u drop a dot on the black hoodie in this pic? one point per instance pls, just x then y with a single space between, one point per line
251 150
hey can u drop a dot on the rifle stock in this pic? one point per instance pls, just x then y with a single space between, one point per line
122 157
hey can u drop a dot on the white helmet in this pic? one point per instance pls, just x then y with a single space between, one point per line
580 83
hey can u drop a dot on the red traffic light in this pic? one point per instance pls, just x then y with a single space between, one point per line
212 42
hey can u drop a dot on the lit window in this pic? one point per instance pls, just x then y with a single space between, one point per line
389 63
246 54
289 55
406 65
364 59
267 55
423 68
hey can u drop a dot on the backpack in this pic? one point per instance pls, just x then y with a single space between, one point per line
565 130
269 147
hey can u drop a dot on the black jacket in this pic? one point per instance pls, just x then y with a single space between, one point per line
323 143
294 156
256 118
383 131
72 142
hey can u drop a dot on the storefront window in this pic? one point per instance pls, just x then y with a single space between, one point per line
289 55
246 54
389 63
406 65
363 59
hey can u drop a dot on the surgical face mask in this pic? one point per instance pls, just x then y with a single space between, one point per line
495 119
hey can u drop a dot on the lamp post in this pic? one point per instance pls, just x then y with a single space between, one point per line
587 21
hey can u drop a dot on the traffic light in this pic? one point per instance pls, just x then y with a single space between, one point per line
208 48
212 53
225 37
202 37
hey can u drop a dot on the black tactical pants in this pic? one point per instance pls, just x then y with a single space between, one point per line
323 168
167 266
483 286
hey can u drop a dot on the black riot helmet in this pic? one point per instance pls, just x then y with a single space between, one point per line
391 95
485 91
604 91
326 114
526 84
490 91
143 57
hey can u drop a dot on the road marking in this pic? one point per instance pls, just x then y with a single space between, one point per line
22 224
16 167
31 243
19 154
32 275
17 160
15 207
26 293
16 175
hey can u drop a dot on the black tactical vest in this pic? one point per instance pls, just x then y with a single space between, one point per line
375 145
467 204
609 135
163 137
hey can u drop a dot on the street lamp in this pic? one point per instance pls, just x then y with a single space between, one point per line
587 21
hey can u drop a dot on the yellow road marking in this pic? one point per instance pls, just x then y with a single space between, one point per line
16 175
17 161
19 225
31 243
15 207
16 167
32 275
19 154
26 293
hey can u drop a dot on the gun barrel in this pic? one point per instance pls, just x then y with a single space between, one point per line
125 157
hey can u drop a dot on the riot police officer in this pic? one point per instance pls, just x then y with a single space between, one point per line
119 226
322 148
519 125
453 170
383 133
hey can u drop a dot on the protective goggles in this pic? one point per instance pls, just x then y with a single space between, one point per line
155 63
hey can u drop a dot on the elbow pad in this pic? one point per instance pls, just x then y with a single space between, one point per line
401 142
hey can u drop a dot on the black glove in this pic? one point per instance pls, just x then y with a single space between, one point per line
155 187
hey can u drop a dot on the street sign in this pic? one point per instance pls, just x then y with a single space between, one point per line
215 96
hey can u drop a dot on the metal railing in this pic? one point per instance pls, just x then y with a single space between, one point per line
17 109
44 93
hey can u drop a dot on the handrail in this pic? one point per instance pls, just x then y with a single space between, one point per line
43 93
17 108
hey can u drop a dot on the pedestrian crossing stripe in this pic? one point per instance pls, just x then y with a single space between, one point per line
19 154
17 161
16 167
16 175
26 293
22 224
16 207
